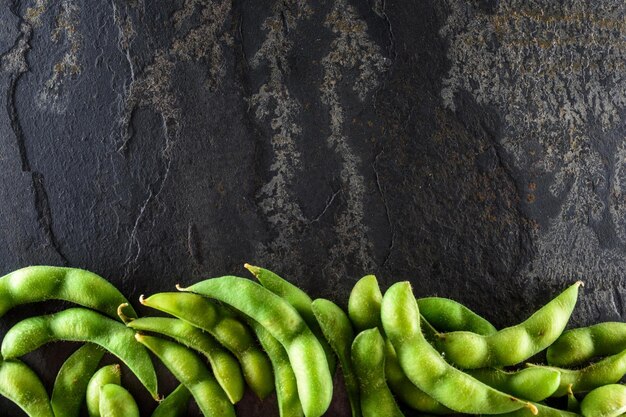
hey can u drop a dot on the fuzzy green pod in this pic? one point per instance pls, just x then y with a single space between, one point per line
425 367
606 401
82 325
226 328
364 304
286 385
21 385
175 404
225 367
447 315
116 401
514 344
40 283
191 371
577 346
368 357
70 385
281 319
337 330
533 384
110 374
298 299
607 371
405 390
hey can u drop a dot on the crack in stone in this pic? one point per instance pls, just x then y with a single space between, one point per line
352 49
329 203
387 211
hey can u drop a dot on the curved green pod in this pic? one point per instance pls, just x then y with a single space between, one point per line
116 401
405 390
282 320
533 384
425 367
607 371
82 325
191 371
286 386
514 344
298 299
226 328
337 330
40 283
109 374
21 385
447 315
368 357
577 346
225 367
70 385
175 404
606 401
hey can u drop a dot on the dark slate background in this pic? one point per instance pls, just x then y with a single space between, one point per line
475 148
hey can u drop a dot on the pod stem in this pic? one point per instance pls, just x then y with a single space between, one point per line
122 316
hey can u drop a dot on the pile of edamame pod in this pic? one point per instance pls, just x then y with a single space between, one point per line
396 352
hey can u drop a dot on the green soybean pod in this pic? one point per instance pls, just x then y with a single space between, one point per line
364 304
39 283
175 404
425 367
21 385
116 401
337 330
189 369
405 390
577 346
534 384
228 330
447 315
607 371
298 299
82 325
307 357
286 386
225 367
70 385
514 344
368 357
110 374
606 401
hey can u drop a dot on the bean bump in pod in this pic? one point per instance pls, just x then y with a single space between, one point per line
577 346
514 344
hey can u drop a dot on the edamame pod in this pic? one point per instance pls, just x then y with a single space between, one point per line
607 371
116 401
21 385
307 357
405 390
110 374
39 283
514 344
230 332
337 329
606 401
82 325
577 346
364 304
534 384
70 385
193 374
447 315
175 404
225 367
368 357
286 386
425 367
298 299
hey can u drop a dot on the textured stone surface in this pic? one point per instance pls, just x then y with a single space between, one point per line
475 148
